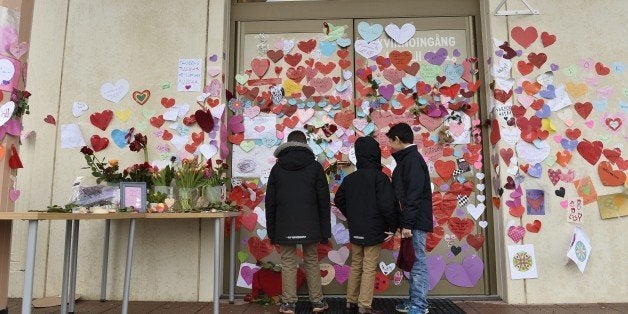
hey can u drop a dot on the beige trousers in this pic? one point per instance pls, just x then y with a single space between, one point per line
289 266
364 261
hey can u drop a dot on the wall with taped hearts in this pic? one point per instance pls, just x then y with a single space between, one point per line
559 117
99 72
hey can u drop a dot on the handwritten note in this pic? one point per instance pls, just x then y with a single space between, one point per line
190 76
260 127
574 210
71 136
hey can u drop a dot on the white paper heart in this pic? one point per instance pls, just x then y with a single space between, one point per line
288 45
386 269
483 223
400 35
501 68
114 93
169 202
475 211
7 70
531 154
6 111
179 141
339 256
217 111
261 216
78 108
366 49
213 71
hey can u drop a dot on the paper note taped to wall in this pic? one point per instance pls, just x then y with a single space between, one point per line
245 275
613 205
71 136
190 77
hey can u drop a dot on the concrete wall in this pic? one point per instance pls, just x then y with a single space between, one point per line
141 41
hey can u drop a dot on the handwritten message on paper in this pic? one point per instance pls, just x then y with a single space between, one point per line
190 77
574 210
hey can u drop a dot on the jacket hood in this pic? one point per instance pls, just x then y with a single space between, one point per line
294 155
368 153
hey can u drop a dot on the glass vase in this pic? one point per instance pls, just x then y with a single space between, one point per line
215 194
187 199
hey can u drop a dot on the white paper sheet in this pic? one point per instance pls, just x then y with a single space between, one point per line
522 261
190 77
245 275
260 127
71 136
580 249
253 164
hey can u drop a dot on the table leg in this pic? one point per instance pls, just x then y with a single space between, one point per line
105 262
66 266
232 253
29 272
75 239
217 259
127 271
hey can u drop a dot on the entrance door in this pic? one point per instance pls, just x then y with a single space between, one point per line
339 79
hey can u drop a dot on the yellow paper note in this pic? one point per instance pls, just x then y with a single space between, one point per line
613 205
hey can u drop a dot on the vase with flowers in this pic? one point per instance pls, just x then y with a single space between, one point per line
189 177
216 176
107 172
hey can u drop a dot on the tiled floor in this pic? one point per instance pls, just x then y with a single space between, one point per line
240 307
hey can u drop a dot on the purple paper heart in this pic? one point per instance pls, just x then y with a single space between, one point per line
435 269
548 93
518 90
342 273
518 192
373 67
535 171
456 53
247 274
386 91
444 187
569 145
235 124
5 82
554 67
499 53
544 112
519 53
466 274
213 58
460 211
385 62
436 58
340 233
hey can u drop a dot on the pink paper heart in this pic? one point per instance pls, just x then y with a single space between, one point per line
557 138
563 204
18 50
589 124
516 233
14 194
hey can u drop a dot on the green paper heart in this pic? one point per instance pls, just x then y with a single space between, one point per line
571 70
241 78
165 85
141 126
604 139
586 190
550 160
148 113
243 256
429 72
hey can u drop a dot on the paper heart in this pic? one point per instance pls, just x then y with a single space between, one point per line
466 274
114 93
119 137
435 269
475 211
516 233
78 108
205 120
123 115
436 58
610 176
524 37
460 227
141 97
368 49
370 32
339 256
207 150
590 151
18 49
400 34
14 194
259 248
6 112
101 119
386 269
98 143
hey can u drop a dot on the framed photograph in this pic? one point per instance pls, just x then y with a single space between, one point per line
133 195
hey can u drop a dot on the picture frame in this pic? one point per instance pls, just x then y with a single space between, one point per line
133 195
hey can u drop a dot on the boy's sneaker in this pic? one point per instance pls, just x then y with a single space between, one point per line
403 307
320 306
287 307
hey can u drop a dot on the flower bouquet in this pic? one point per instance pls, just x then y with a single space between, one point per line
189 177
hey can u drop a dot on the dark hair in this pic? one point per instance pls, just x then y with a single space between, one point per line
297 136
402 131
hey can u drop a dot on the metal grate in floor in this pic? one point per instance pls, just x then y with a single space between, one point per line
337 306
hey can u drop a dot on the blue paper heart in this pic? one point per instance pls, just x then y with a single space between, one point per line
422 101
369 128
544 112
370 32
310 104
119 137
548 93
434 137
409 82
183 129
569 145
395 104
292 101
461 179
322 104
327 48
300 105
535 171
344 42
623 105
453 72
600 104
618 67
457 153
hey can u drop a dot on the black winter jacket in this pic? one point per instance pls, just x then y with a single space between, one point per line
297 197
366 197
411 181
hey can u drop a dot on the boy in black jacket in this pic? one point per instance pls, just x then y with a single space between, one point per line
367 199
298 212
411 181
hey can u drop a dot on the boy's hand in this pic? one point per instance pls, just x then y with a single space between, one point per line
406 233
389 235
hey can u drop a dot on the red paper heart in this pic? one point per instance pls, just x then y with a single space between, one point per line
610 176
167 102
413 68
166 136
98 143
612 154
590 151
573 134
400 59
236 138
502 96
547 39
307 46
260 66
537 59
433 238
495 135
445 169
50 119
525 68
325 68
506 155
534 226
274 55
344 119
601 69
475 241
157 121
259 248
293 59
583 109
443 205
460 227
524 37
101 119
